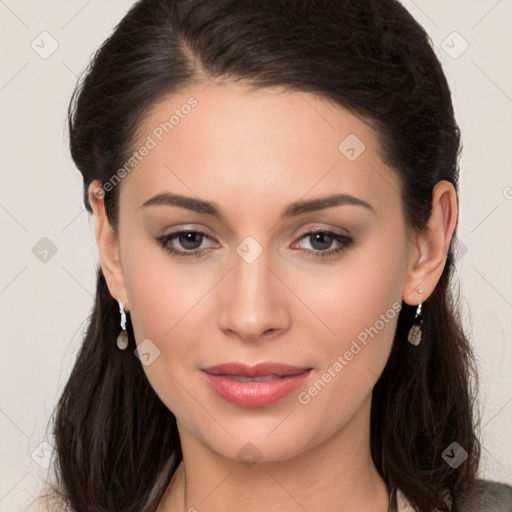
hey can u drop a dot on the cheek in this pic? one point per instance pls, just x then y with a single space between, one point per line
364 290
165 307
358 304
161 291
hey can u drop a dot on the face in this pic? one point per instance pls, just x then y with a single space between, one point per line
265 280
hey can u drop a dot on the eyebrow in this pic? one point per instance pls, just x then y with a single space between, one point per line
292 210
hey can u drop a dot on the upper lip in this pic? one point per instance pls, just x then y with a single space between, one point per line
257 370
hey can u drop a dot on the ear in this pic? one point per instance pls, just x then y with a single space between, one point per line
108 245
430 245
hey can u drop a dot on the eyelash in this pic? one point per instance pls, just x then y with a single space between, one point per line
344 240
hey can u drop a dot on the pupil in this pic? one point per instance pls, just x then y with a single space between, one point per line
187 240
320 237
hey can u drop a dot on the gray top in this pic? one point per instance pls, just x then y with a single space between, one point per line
484 496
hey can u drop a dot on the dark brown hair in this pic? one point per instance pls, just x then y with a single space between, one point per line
117 443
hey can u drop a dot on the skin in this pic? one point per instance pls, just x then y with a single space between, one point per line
253 153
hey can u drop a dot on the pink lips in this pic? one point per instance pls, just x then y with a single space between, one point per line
255 386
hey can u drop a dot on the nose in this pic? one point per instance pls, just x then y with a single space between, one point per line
253 301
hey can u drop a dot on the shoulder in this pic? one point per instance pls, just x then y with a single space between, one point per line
484 495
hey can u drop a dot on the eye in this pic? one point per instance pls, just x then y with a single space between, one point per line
321 240
190 240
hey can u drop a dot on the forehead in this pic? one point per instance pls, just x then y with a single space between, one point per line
232 144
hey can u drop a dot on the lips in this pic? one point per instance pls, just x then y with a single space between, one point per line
275 370
255 386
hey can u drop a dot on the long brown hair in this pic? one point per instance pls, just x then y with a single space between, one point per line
117 443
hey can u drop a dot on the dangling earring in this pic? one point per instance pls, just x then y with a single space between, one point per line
414 335
122 339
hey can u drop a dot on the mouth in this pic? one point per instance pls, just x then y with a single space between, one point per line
255 386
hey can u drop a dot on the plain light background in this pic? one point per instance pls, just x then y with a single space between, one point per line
46 298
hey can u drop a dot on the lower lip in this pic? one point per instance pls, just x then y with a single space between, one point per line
255 394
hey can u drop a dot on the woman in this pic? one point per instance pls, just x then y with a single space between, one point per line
274 190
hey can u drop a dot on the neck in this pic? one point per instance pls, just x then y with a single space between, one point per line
335 475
